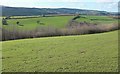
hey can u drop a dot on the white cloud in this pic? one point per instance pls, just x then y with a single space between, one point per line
113 5
63 0
30 1
14 2
107 0
104 0
8 2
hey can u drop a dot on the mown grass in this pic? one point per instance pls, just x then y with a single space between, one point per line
82 53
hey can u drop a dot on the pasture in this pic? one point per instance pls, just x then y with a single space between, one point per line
97 19
31 23
81 53
56 21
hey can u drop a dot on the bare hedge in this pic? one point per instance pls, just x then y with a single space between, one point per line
73 28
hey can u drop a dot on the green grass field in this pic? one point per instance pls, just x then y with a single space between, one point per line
82 53
58 21
98 19
30 23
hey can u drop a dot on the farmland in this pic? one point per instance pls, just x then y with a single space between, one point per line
81 53
55 39
57 21
97 19
30 23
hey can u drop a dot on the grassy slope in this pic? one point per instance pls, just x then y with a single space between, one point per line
99 19
97 52
58 21
0 57
0 48
31 23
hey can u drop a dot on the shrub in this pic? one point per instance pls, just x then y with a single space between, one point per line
4 22
17 22
74 28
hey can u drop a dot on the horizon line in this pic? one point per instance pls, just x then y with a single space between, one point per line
59 8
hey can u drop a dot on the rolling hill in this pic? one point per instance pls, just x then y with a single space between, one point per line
82 53
21 11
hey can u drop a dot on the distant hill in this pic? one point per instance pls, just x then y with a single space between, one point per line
21 11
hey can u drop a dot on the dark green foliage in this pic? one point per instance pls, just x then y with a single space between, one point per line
76 17
17 22
4 22
8 17
43 15
41 23
38 22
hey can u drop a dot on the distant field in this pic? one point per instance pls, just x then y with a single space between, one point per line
98 19
58 21
30 23
82 53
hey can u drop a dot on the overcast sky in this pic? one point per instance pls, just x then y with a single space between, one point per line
104 5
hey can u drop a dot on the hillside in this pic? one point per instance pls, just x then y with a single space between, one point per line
82 53
30 23
20 11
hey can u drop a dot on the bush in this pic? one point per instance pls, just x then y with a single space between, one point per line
74 28
4 22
